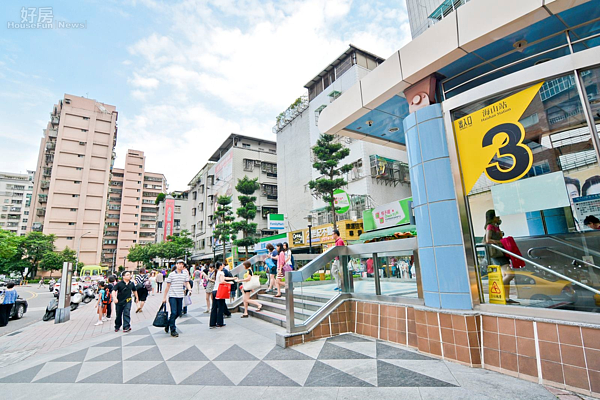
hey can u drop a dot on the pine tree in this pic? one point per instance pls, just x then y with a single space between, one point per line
247 212
223 230
328 155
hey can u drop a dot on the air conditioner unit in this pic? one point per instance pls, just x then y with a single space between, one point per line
257 163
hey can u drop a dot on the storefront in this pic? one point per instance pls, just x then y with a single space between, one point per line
322 236
500 117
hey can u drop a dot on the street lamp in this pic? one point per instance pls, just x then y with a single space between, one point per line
309 218
79 248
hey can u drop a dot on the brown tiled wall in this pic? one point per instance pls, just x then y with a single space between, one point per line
569 355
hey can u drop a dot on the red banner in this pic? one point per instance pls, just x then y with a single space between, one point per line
169 217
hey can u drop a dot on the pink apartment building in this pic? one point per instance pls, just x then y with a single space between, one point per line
131 213
72 175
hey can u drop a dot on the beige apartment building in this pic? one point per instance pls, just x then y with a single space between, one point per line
131 213
72 175
15 200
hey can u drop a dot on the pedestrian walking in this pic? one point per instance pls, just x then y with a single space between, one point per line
219 305
109 288
271 263
102 302
176 281
280 271
335 265
41 285
141 285
247 300
8 299
187 292
197 279
210 284
122 295
159 281
153 281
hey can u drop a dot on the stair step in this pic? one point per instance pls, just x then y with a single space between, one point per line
268 316
298 303
297 296
301 314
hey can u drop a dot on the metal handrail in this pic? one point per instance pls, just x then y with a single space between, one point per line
550 249
573 245
253 260
486 245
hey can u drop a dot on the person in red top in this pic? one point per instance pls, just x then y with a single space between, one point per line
335 266
370 267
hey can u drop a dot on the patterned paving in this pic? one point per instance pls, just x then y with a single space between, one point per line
149 356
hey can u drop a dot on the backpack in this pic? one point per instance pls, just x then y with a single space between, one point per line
106 298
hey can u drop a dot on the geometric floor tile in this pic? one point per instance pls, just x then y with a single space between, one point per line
111 374
77 356
236 370
280 353
146 341
235 353
365 370
369 349
297 370
152 354
116 342
389 375
190 321
142 332
89 369
180 370
114 355
171 350
386 352
158 375
25 376
127 340
132 369
434 369
50 368
332 352
190 354
94 352
311 349
323 375
265 375
348 338
68 375
209 375
131 351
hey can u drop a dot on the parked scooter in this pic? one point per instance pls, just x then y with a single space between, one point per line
51 309
88 295
76 299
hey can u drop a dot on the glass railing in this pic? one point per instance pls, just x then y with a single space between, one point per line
387 269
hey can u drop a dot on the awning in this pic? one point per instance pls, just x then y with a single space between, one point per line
386 232
201 257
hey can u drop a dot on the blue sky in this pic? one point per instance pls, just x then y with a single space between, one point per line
182 74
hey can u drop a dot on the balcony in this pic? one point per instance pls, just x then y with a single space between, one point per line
15 209
14 216
47 171
52 133
37 227
50 146
49 158
148 218
54 120
147 234
41 212
43 198
111 233
148 226
44 184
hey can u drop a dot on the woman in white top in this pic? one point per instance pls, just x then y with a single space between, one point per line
218 306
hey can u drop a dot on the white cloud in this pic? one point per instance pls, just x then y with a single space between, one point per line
232 65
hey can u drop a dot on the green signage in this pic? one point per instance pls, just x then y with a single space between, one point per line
341 201
387 215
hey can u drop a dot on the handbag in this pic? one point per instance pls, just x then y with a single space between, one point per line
162 317
286 268
187 300
223 292
253 283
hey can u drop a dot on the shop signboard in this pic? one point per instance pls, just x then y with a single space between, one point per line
261 247
297 238
275 221
341 201
169 217
323 234
492 133
387 215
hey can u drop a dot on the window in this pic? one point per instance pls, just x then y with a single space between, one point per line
193 212
272 151
269 168
246 145
82 143
248 164
194 195
77 182
86 118
75 195
71 223
69 237
24 220
80 155
78 169
201 207
23 228
83 130
25 212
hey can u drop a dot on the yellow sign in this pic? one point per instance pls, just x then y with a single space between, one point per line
496 285
495 132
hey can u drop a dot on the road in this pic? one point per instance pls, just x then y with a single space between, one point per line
38 299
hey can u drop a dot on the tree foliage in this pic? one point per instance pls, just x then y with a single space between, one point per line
33 248
175 247
247 212
224 231
159 198
328 155
53 261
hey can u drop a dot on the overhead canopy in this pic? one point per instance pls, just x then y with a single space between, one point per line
386 232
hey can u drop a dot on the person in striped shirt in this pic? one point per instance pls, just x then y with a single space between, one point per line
176 281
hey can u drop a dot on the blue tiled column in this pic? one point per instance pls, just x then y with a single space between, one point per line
441 250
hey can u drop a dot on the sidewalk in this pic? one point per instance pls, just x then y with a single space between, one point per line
241 360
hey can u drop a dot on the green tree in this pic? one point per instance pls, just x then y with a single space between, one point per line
223 231
247 212
159 198
33 247
53 261
328 155
9 244
11 253
183 243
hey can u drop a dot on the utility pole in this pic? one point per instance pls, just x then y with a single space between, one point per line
78 249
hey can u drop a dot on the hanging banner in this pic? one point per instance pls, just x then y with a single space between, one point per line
341 201
169 217
492 133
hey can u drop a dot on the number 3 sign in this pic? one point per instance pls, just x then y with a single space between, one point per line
490 140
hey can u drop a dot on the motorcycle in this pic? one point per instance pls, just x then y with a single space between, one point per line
88 295
76 298
51 309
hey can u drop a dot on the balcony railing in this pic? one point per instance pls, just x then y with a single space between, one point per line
50 145
37 227
47 171
41 212
45 184
43 198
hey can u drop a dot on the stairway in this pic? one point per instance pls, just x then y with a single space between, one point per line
273 308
